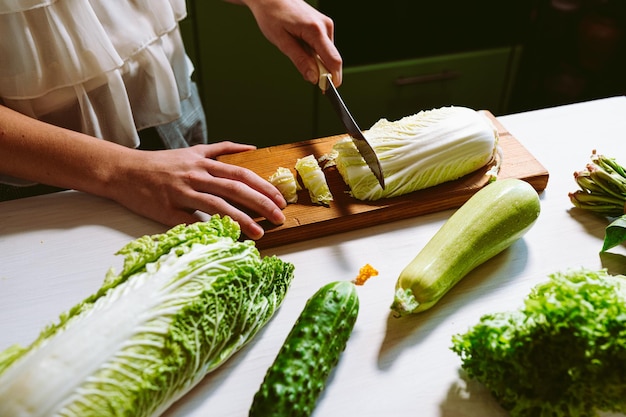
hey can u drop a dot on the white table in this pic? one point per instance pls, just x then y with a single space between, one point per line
55 250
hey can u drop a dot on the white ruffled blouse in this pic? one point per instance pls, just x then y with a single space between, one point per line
107 68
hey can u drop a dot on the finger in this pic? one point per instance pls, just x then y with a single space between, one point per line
318 39
237 185
333 64
214 150
234 172
186 212
242 181
212 204
217 169
303 58
244 194
301 55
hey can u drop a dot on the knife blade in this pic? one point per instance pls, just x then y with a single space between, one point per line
361 143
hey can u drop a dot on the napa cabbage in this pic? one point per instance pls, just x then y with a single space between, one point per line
185 302
418 151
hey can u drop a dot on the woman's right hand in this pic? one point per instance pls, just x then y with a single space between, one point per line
300 32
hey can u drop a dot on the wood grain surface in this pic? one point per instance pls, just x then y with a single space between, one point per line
305 220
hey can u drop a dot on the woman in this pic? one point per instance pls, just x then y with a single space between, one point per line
74 72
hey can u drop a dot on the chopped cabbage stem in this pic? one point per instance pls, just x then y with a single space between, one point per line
284 180
314 180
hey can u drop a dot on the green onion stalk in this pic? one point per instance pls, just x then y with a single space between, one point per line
603 191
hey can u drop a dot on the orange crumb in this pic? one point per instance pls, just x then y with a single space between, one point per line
365 273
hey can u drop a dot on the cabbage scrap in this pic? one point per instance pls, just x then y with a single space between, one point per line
314 180
284 180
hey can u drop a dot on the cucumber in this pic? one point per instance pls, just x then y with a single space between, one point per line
489 222
310 352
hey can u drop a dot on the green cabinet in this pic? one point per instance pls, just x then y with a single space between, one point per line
479 80
252 93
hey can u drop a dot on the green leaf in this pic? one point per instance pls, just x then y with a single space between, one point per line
615 233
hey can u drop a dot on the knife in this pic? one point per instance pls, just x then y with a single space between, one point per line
361 143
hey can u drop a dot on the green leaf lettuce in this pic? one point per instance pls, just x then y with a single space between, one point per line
562 354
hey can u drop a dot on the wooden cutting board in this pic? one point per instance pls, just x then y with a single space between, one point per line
305 220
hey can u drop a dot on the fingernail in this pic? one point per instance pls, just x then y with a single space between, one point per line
257 232
283 202
311 75
278 217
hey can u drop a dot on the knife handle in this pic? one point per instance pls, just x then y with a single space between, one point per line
324 75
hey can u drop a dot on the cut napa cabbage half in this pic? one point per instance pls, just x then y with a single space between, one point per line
419 151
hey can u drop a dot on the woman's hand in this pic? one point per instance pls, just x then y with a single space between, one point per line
300 32
170 186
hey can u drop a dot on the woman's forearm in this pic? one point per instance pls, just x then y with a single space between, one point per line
40 152
169 186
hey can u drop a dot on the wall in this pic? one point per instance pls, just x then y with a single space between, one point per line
575 51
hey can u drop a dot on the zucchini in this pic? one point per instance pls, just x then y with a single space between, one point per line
489 222
310 352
